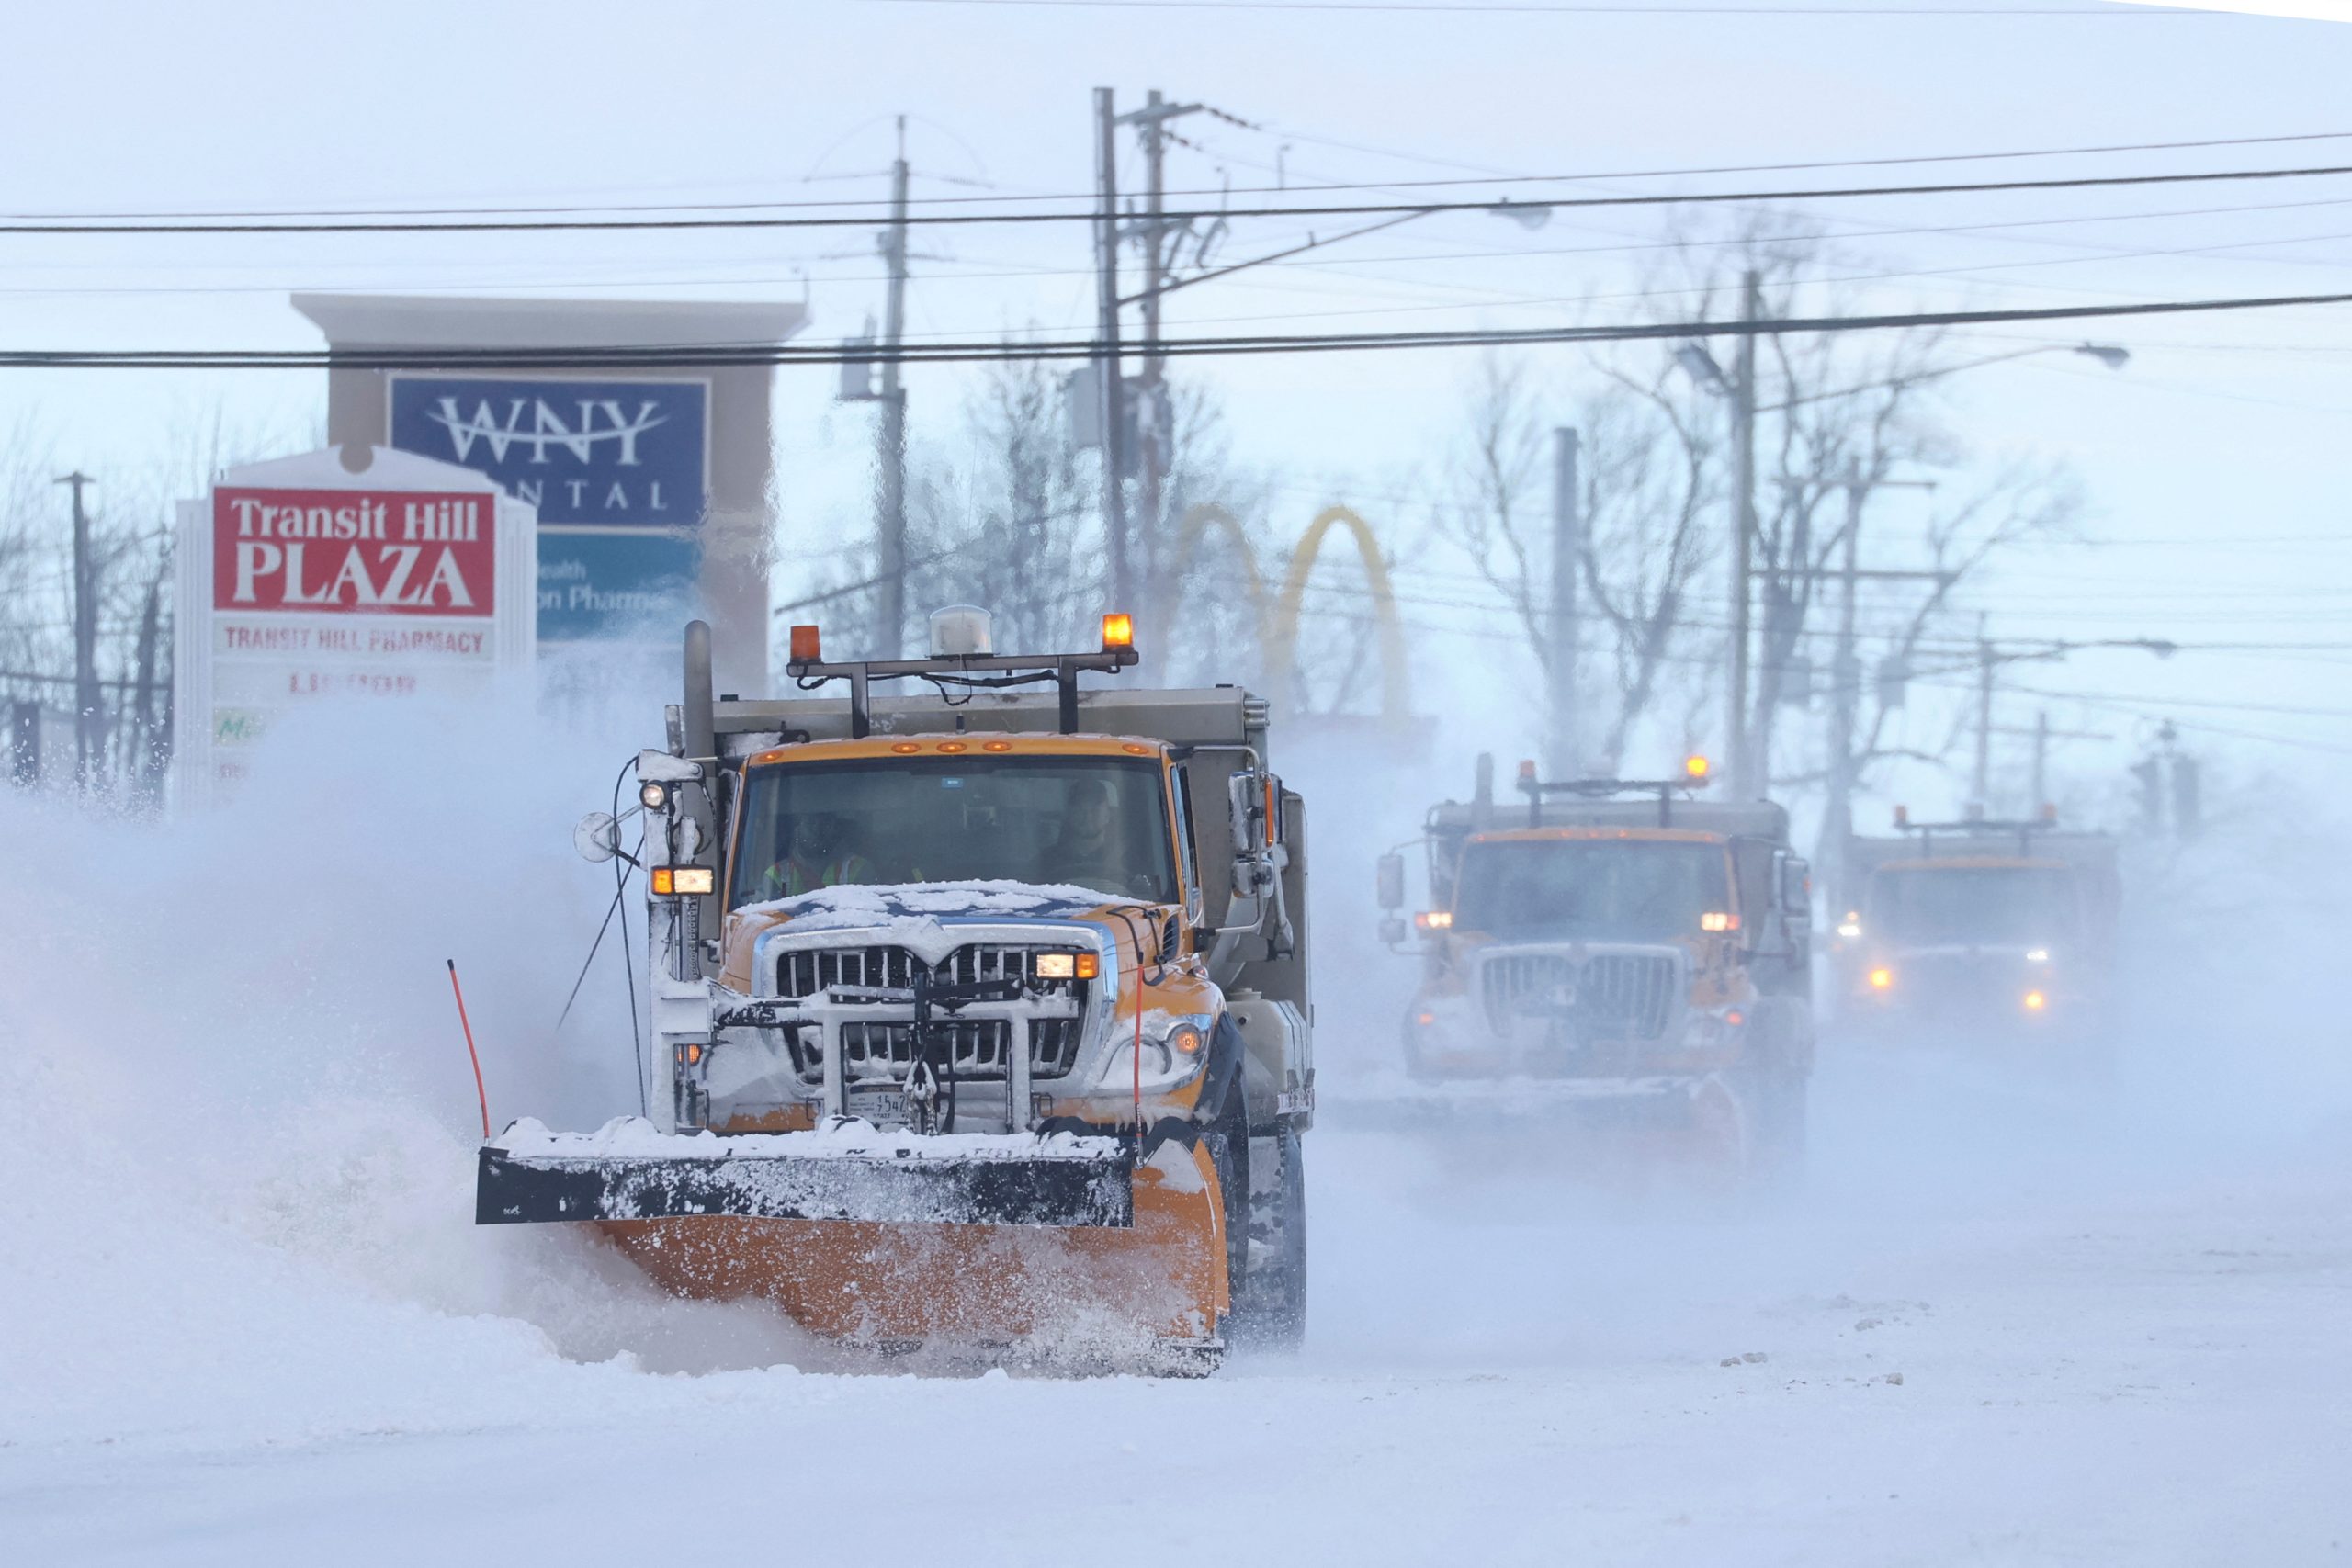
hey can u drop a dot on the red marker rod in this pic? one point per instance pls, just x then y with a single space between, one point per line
471 1054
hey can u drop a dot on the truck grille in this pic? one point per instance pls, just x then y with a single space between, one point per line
1617 996
806 972
880 1050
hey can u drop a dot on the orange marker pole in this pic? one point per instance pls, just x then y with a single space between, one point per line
471 1054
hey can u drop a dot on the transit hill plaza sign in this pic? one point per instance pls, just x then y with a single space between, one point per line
652 484
364 572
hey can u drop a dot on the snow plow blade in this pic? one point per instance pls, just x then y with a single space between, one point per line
629 1171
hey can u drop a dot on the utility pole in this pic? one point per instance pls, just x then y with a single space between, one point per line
89 721
1564 742
145 762
1744 781
2041 760
1846 695
1981 779
1153 420
893 455
1108 391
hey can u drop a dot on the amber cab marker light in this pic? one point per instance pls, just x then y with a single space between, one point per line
905 748
996 745
1118 631
1696 767
953 747
807 648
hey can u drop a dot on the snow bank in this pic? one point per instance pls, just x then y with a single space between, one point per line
236 1108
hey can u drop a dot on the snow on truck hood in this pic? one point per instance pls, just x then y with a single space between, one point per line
909 903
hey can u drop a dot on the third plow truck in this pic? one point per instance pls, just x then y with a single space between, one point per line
1616 964
979 1015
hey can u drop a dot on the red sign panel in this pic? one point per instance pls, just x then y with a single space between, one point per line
375 552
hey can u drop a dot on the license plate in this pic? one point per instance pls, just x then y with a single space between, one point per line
883 1106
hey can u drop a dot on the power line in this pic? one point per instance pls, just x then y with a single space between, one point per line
723 354
1489 7
576 225
1496 177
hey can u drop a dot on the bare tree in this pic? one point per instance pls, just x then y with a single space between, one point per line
1842 416
1650 489
1011 523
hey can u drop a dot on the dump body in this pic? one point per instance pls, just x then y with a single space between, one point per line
1988 931
962 1015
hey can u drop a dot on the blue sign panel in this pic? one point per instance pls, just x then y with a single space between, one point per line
612 453
616 587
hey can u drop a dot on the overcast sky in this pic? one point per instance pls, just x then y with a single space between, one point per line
2215 463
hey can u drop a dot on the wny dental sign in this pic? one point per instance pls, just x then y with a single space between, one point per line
339 551
340 576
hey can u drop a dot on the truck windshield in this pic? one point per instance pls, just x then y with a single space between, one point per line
1592 889
1091 822
1959 904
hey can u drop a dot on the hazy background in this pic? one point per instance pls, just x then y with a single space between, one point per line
2209 468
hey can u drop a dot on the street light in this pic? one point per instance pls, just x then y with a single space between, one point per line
1701 366
1529 215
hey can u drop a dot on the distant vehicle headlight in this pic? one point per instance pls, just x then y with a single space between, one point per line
2038 955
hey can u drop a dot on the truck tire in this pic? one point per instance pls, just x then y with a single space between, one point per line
1272 1304
1228 1141
1774 1092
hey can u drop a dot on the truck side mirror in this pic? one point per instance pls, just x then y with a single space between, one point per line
1245 799
1392 932
598 837
1796 885
1392 880
1253 876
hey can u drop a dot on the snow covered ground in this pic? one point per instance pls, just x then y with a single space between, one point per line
245 1318
2061 1368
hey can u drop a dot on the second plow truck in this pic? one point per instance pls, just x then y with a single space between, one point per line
1982 931
979 1018
1618 957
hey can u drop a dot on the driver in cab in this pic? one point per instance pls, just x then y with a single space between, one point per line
820 856
1085 853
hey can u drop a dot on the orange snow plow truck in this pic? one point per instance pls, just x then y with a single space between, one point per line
1623 959
979 1015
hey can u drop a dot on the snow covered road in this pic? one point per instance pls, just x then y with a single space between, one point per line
2151 1375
